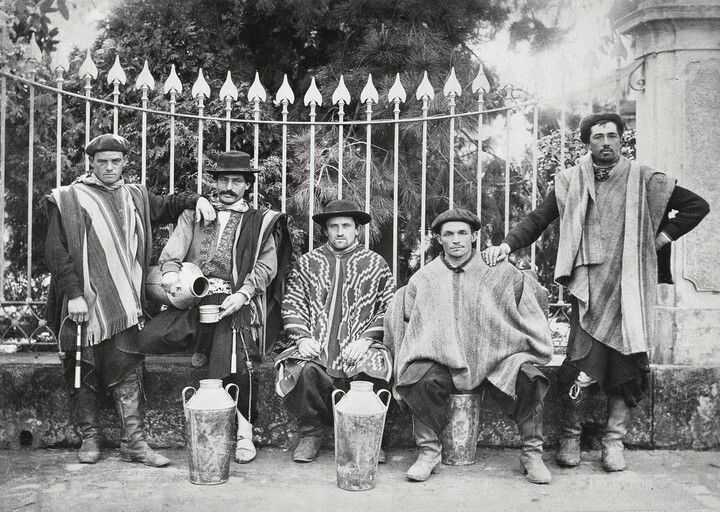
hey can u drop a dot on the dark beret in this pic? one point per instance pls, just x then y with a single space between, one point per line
591 120
458 215
342 208
233 162
107 142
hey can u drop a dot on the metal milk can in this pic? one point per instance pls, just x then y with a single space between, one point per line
359 425
210 431
459 439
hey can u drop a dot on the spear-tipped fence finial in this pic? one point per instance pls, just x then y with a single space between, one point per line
397 92
200 87
312 96
425 89
341 93
33 50
480 84
285 93
228 89
145 79
88 69
256 91
369 92
452 86
116 75
60 62
172 84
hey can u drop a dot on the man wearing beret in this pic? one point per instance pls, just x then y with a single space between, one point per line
461 326
98 247
333 313
243 255
614 247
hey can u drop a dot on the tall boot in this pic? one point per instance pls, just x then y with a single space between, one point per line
613 457
311 437
568 454
531 433
86 406
244 447
430 454
133 447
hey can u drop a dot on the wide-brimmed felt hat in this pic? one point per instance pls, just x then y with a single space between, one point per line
232 162
342 208
107 142
591 120
457 215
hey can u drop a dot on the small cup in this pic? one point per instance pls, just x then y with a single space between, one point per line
209 314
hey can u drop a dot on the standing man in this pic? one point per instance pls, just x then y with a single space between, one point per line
333 313
239 255
98 247
613 247
460 326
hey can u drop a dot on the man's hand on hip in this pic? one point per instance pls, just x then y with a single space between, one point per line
204 211
309 347
232 303
495 254
78 310
355 350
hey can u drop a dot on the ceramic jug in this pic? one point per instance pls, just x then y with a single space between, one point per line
192 286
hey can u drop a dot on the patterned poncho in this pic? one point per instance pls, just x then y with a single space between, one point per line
336 298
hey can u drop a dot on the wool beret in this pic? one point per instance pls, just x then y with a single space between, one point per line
342 208
107 142
233 162
457 215
591 120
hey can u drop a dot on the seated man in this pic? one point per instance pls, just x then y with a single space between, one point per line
333 312
240 255
460 326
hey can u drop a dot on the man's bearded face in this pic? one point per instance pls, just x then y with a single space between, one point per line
230 188
108 166
605 143
341 232
456 238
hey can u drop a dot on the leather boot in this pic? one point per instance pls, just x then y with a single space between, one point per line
430 454
244 447
311 437
613 457
531 433
568 454
86 406
133 447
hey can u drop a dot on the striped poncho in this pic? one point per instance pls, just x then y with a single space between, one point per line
336 298
106 230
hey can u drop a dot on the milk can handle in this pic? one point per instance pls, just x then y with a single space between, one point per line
389 395
237 391
334 403
183 395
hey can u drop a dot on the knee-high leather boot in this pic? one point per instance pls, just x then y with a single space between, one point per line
568 454
531 433
613 457
430 455
86 406
133 447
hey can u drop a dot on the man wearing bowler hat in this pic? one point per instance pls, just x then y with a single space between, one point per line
98 247
333 313
243 255
613 249
460 326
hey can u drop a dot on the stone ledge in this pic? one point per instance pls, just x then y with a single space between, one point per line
682 411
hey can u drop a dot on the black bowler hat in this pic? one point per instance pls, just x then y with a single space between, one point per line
107 142
342 208
232 162
591 120
457 215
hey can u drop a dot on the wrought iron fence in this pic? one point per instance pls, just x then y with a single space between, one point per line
21 320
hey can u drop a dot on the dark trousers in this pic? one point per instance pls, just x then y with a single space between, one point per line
428 398
311 398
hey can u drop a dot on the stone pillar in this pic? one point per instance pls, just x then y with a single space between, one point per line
677 42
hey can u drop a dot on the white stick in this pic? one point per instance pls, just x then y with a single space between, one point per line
233 360
78 355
